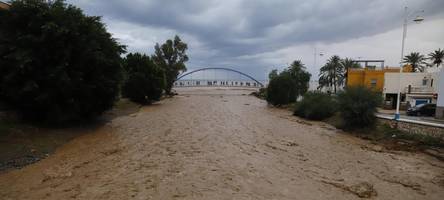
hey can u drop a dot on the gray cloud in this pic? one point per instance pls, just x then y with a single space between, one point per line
233 33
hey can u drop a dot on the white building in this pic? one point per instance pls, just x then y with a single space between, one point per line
416 88
440 101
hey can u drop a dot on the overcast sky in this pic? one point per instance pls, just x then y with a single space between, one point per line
255 36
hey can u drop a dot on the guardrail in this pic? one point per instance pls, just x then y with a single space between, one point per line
438 125
419 89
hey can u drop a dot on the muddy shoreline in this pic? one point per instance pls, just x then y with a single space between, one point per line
23 144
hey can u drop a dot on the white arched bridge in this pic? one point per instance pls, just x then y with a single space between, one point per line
214 76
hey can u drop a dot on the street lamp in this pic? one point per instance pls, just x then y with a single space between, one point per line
418 19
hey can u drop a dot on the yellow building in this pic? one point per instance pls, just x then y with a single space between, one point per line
371 78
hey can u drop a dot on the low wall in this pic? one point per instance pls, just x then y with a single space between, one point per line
440 112
415 128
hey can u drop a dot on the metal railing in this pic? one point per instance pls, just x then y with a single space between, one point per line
419 89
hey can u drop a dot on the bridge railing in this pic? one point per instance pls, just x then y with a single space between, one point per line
180 77
216 83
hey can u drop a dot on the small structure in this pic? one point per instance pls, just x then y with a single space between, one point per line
366 62
440 96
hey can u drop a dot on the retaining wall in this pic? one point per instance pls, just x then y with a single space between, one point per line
415 128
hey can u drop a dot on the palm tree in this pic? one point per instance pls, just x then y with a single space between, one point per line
416 60
437 56
332 73
347 64
300 76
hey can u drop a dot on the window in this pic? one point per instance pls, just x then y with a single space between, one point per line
424 82
373 83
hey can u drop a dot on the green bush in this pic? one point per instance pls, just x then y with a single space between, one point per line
281 91
287 86
57 64
261 94
315 106
145 81
358 106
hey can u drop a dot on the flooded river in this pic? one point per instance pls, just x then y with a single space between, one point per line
223 144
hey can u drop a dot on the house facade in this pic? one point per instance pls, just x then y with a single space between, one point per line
440 95
369 77
416 88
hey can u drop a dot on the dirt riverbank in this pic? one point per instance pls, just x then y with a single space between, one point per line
223 144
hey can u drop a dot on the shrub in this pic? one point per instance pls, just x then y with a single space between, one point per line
145 81
261 94
281 91
57 64
358 106
315 106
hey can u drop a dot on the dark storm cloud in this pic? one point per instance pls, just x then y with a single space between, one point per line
238 28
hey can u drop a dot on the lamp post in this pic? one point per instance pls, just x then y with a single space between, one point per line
418 19
316 53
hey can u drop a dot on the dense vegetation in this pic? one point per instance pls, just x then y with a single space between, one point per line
280 90
315 106
57 64
145 81
436 57
334 73
171 56
416 60
287 86
358 106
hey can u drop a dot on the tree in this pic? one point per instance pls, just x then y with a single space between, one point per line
145 80
348 64
287 86
416 60
57 64
171 56
273 74
437 56
332 73
300 77
280 90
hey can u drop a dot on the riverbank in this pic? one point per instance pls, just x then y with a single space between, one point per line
22 143
223 144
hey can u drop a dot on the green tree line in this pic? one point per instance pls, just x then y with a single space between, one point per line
58 64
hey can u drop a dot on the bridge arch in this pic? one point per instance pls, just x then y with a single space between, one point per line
219 68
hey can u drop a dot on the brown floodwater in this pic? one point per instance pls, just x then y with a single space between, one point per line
220 143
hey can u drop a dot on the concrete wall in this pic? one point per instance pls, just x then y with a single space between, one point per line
412 128
440 101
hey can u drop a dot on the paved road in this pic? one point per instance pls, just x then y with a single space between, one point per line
223 144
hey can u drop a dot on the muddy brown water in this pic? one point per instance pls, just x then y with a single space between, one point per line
223 144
